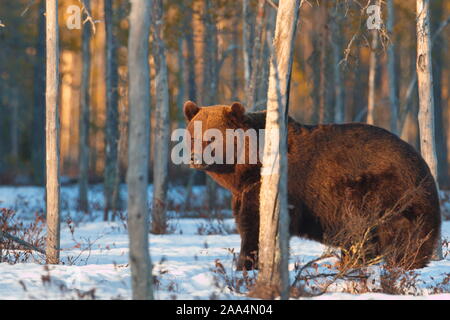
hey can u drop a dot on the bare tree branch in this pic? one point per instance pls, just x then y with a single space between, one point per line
6 235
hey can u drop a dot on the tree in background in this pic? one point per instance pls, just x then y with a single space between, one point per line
83 181
438 46
52 132
373 74
162 124
111 176
38 137
247 39
210 77
337 38
257 57
426 94
138 150
273 276
326 112
392 72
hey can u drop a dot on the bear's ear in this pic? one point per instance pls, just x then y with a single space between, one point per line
237 110
190 109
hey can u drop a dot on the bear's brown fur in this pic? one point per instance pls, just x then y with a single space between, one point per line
330 167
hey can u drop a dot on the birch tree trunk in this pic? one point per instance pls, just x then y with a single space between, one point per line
273 277
161 147
325 110
111 178
210 55
372 78
235 60
426 96
392 74
337 52
84 116
52 132
247 36
138 150
257 55
271 16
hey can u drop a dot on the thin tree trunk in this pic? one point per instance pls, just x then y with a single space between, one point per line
181 94
111 179
38 137
392 74
273 276
138 151
190 54
325 110
191 81
84 116
210 80
372 78
52 133
210 55
437 10
235 61
261 103
413 83
314 62
337 52
257 56
247 43
161 157
426 96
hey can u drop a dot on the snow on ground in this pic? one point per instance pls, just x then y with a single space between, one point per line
95 256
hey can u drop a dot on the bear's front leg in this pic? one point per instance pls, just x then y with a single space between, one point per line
246 211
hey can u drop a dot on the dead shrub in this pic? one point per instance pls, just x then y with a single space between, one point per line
12 252
235 281
354 239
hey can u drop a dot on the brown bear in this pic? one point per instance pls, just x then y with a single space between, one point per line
340 177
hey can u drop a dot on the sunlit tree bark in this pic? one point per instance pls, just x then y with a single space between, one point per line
52 133
273 276
138 151
426 96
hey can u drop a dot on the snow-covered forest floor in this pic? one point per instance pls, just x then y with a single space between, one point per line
194 261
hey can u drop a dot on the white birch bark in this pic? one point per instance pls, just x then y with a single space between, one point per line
247 35
372 78
426 95
52 133
138 150
273 277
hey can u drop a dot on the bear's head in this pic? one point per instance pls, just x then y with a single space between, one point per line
208 125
